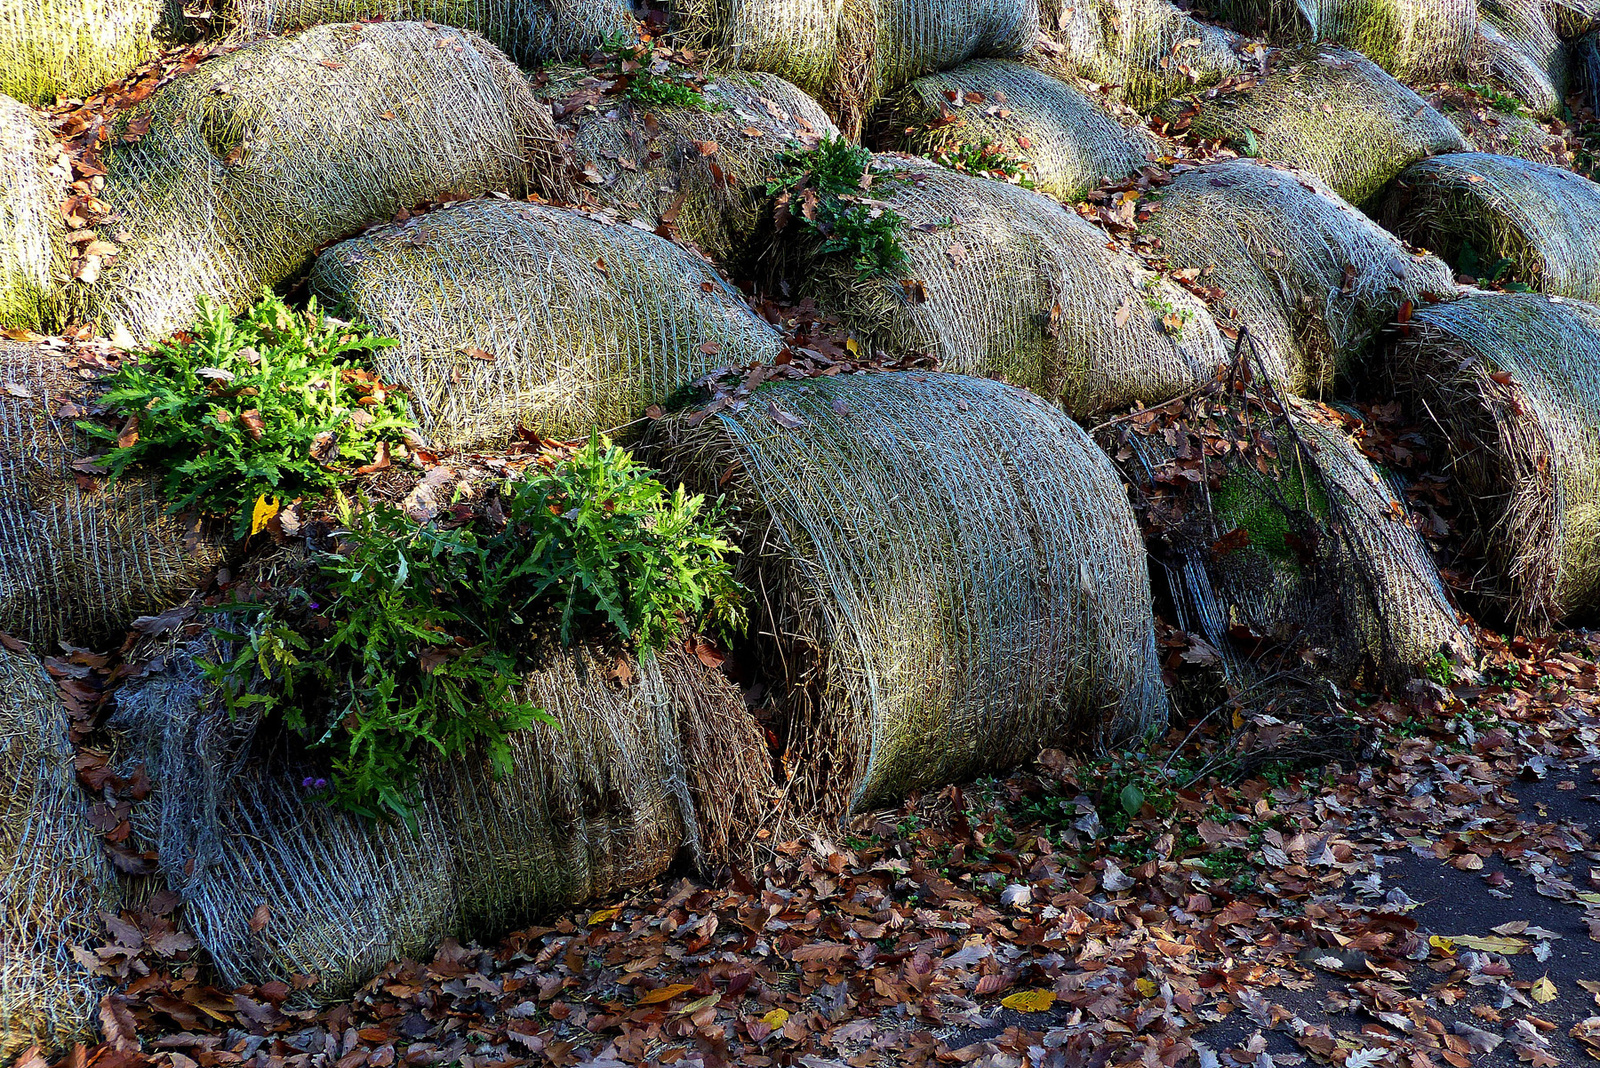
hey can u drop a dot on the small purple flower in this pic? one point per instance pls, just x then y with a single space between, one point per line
311 783
315 606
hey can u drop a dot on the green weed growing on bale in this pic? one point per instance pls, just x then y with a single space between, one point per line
827 188
985 159
655 91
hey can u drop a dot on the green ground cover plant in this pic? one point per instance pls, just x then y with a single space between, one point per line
828 188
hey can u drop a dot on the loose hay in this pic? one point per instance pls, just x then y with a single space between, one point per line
1326 110
520 314
55 49
1512 382
1415 40
263 155
1145 50
1069 139
1541 222
1311 278
947 577
54 878
33 183
1523 51
1007 283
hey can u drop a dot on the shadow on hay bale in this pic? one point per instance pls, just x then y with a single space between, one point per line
1311 278
635 774
261 156
1512 382
1068 139
1325 110
947 577
1415 40
1144 50
33 183
1519 41
1500 218
78 560
510 313
54 877
55 49
1502 133
1007 283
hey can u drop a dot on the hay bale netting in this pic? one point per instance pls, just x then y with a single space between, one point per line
1495 130
1146 50
510 313
1497 216
1415 40
1006 283
1326 110
1512 381
1519 40
263 155
78 561
651 164
1586 57
1311 278
1069 140
33 182
56 49
950 568
595 807
55 880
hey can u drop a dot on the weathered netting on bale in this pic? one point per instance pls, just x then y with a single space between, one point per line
1146 50
598 805
510 313
1502 133
1326 110
261 156
78 561
947 577
1069 140
52 49
1009 284
1416 40
1512 382
1586 57
652 165
528 30
1309 276
54 877
1535 223
32 238
1519 40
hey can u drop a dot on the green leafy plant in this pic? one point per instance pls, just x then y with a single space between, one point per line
986 159
827 187
659 91
275 402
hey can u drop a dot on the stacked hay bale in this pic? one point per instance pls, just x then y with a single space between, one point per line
1524 51
520 314
1513 383
1007 283
1503 219
1587 59
1309 276
1326 110
1147 50
56 49
54 878
227 179
1414 40
32 238
1068 141
951 577
1495 130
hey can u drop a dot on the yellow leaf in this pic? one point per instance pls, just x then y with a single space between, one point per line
1238 719
604 916
699 1003
1443 945
665 993
853 346
776 1018
1147 987
266 507
1544 991
1491 944
1030 1000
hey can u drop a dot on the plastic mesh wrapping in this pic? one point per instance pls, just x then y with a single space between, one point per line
951 571
1545 220
1329 111
1069 139
54 877
1519 39
1311 277
1498 132
263 155
1411 39
587 322
1147 49
32 238
1009 284
53 49
1513 382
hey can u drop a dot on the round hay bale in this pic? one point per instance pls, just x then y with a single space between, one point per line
1069 139
948 577
515 314
1503 133
1489 215
1007 283
1414 40
1311 278
33 183
261 156
1586 57
1519 40
56 49
54 876
78 561
1326 110
1512 381
592 808
1144 50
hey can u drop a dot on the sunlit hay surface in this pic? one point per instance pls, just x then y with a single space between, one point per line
78 561
1331 112
32 238
1070 139
1281 245
594 807
261 156
52 49
1147 50
1523 50
1512 381
1487 129
587 322
1415 40
947 578
54 877
1544 219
